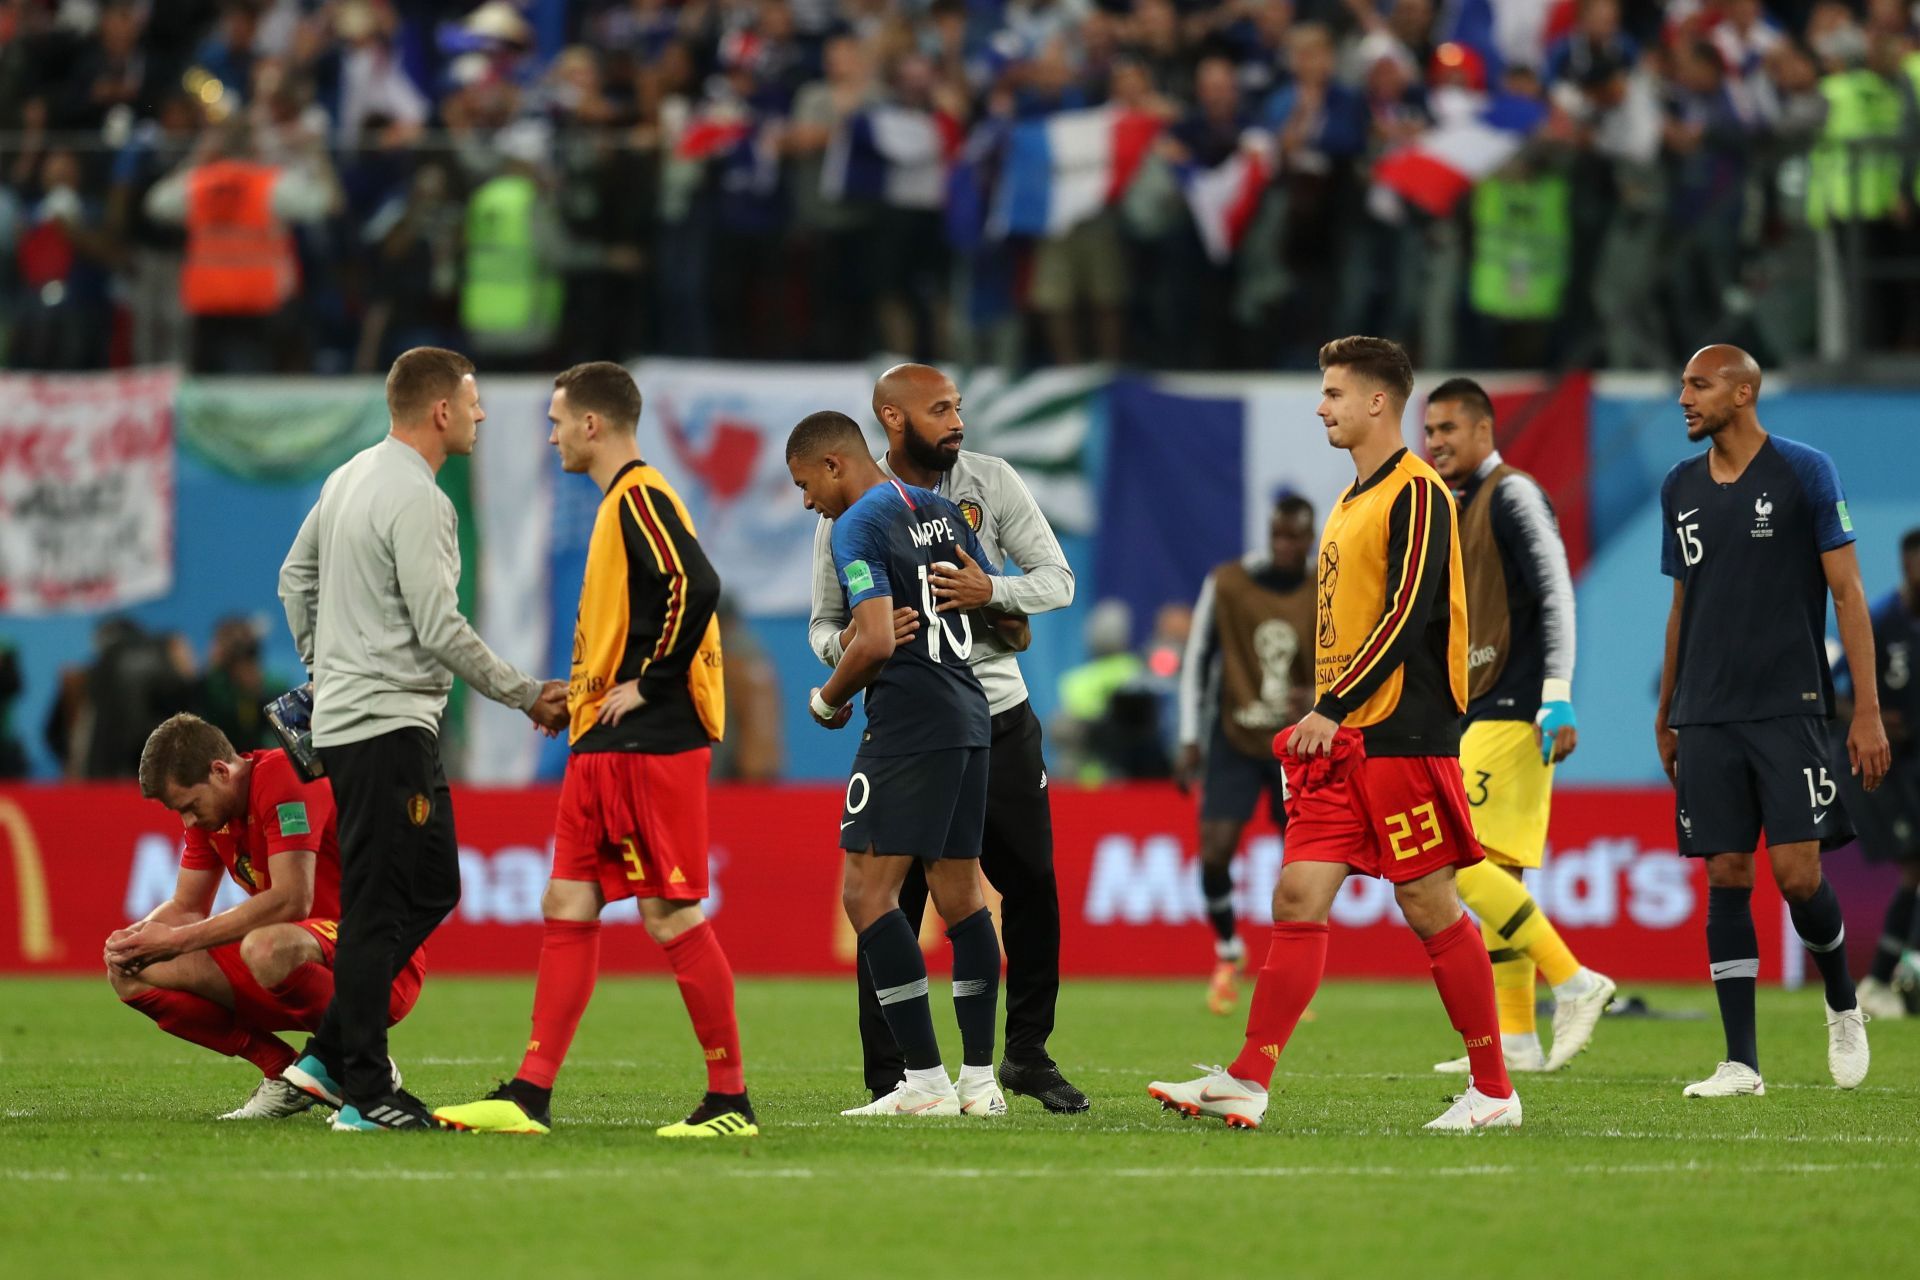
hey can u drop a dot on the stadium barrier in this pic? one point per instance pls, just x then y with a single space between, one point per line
86 859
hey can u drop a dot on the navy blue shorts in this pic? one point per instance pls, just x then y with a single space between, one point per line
1736 780
929 806
1233 781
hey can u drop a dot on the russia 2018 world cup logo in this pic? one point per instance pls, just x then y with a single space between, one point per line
1329 578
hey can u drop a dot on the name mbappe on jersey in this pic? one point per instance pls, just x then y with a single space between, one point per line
927 697
1753 619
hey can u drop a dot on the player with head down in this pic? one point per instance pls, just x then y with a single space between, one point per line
919 784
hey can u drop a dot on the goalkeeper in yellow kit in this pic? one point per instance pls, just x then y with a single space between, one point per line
1519 722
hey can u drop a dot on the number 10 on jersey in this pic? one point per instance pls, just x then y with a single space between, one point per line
962 643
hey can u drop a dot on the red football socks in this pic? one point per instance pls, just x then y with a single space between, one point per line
1296 959
1464 976
305 992
200 1021
706 984
569 964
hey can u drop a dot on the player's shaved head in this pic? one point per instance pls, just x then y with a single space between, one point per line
904 385
1718 389
919 408
1729 364
827 432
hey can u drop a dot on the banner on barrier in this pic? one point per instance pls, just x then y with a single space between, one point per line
86 490
82 861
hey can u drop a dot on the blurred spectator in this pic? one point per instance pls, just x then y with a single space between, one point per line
106 710
1081 730
694 154
13 754
240 275
234 687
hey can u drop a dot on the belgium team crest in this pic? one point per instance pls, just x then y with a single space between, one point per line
419 809
970 511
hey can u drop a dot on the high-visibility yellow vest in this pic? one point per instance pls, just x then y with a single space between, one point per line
508 287
1522 245
1850 180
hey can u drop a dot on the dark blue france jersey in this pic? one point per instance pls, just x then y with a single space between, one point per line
1753 621
926 698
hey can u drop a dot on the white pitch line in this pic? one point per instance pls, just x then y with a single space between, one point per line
962 1173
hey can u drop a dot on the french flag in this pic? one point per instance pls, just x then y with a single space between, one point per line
895 155
1223 199
1062 170
1472 138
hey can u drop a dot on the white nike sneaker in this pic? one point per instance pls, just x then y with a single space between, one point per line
909 1099
982 1099
1847 1047
1575 1017
1473 1111
1880 1000
274 1099
1729 1080
1525 1056
1215 1094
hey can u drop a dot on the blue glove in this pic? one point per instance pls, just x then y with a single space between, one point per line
1554 715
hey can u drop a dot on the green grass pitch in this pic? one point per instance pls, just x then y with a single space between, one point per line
110 1161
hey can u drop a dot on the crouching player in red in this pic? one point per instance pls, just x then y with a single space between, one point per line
647 705
1373 771
228 980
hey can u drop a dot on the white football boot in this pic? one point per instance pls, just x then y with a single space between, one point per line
980 1098
1880 1000
274 1099
1575 1016
1847 1047
910 1099
1474 1111
1215 1094
1729 1080
1521 1050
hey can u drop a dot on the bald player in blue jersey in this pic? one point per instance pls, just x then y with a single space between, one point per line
919 783
1755 534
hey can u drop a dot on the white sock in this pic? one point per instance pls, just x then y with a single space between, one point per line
931 1080
1520 1042
972 1077
1231 952
1578 985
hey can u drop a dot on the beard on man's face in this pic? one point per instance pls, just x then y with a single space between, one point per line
931 454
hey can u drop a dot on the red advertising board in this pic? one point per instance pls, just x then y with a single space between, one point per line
81 861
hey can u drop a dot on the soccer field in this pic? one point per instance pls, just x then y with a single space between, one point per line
110 1158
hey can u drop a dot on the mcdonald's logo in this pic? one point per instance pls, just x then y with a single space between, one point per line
35 914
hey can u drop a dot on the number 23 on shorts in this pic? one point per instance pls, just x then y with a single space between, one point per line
1404 828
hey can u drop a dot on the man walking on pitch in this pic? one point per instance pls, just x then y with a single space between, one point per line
1519 723
1248 672
919 784
919 409
1755 535
1373 771
647 705
369 591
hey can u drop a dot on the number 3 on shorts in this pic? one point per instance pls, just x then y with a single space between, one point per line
1400 829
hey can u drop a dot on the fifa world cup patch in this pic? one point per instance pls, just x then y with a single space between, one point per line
419 809
859 577
293 819
1846 521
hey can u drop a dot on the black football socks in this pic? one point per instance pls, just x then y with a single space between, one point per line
1216 886
891 953
1894 933
1734 953
976 986
1818 922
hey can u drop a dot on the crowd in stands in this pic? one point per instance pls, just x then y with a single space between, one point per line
314 185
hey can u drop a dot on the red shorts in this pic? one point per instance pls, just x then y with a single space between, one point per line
635 822
1397 818
301 1012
